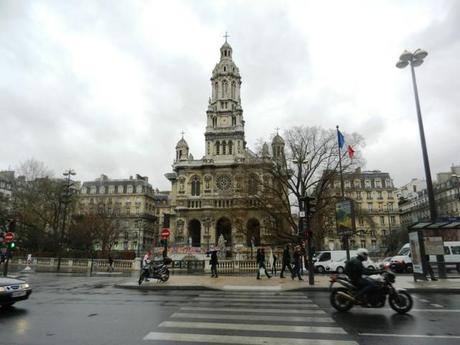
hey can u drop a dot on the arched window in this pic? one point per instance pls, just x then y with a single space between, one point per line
233 89
230 147
224 147
217 148
216 89
233 120
223 88
196 186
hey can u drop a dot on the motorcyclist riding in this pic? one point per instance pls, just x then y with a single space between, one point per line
355 270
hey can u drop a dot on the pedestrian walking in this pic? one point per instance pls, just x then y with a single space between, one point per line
274 259
297 263
286 261
213 262
261 261
110 268
429 269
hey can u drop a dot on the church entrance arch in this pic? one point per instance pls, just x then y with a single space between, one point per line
194 232
224 228
253 232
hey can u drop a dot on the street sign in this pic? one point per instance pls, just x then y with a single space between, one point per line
302 214
8 237
165 232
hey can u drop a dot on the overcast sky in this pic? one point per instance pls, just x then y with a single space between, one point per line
107 86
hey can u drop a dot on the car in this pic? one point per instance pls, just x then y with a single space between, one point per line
339 265
13 290
385 263
327 257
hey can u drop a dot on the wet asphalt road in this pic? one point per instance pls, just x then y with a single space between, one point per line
71 310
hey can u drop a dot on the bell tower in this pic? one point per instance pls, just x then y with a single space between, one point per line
224 134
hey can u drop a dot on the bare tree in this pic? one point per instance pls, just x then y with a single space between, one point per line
309 165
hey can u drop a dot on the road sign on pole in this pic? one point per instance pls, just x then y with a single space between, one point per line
165 232
8 237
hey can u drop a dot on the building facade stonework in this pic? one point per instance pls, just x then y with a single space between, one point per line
130 203
376 210
215 200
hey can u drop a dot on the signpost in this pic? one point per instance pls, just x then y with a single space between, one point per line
8 237
165 232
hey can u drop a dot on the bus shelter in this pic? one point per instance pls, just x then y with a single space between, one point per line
427 238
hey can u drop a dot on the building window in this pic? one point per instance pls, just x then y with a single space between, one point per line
358 195
379 195
369 195
374 244
230 147
363 243
224 148
196 186
382 220
369 207
217 148
393 219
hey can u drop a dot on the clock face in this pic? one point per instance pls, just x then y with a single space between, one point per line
224 182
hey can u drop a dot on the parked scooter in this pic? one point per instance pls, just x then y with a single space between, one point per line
155 271
342 298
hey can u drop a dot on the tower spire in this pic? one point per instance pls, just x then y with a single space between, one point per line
226 36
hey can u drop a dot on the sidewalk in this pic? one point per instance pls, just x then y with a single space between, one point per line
235 283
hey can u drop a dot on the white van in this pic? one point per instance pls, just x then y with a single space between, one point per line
451 256
326 258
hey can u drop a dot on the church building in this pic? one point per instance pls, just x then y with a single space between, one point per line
216 200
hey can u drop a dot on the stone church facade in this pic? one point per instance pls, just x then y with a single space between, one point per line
217 198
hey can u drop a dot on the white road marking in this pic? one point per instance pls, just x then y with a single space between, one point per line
409 335
424 300
309 310
255 299
254 305
243 317
241 340
252 288
436 305
253 327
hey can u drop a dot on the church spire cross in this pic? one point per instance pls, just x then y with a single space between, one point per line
277 130
182 134
226 36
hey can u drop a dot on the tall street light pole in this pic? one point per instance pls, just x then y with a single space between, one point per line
415 59
66 199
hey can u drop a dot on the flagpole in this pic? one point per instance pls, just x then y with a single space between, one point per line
345 237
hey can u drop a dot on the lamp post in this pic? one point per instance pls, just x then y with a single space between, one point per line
67 193
415 59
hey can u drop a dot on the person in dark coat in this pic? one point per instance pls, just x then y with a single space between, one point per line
286 261
213 263
261 261
297 263
275 258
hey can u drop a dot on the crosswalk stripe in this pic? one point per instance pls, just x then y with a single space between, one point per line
243 317
267 300
253 327
310 310
222 303
253 293
265 297
241 340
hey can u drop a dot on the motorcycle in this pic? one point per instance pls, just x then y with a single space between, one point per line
342 298
155 271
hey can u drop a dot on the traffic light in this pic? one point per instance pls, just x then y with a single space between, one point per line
12 245
310 206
